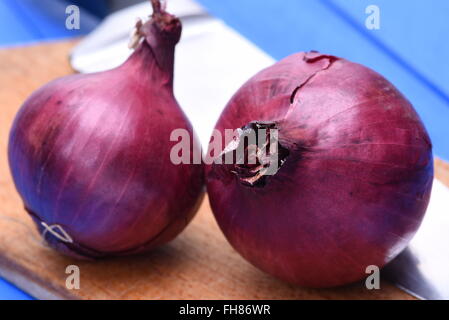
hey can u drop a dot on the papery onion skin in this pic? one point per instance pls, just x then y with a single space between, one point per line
356 183
91 153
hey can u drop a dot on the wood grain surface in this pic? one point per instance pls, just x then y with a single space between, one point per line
199 264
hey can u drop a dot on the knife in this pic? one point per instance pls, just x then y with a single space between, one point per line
423 268
221 61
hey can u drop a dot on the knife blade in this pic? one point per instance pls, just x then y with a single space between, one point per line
423 268
221 61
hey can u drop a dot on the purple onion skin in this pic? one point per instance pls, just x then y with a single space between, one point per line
356 182
91 153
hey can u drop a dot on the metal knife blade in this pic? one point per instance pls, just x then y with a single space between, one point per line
423 268
221 61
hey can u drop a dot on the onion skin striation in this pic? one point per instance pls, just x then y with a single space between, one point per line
355 181
90 154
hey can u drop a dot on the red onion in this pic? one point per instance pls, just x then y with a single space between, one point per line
90 153
354 178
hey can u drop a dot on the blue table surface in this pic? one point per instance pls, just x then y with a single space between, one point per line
409 48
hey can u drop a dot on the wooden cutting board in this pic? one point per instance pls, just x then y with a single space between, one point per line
199 264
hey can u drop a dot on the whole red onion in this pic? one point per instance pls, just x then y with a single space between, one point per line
354 179
90 154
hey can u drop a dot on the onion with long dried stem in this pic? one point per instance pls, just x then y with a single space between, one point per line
90 153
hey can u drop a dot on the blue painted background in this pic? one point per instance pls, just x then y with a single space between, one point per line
411 48
25 21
